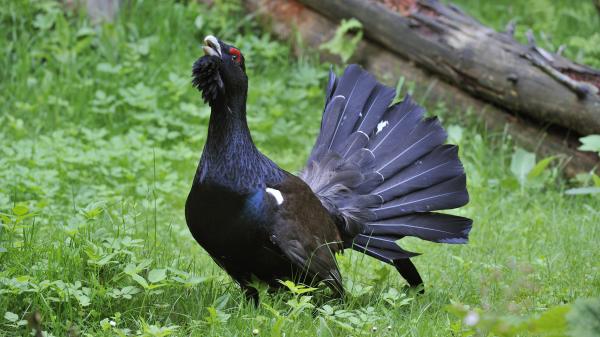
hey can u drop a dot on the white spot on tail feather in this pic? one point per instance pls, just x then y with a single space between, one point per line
381 125
276 194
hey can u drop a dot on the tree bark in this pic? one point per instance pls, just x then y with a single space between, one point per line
491 65
289 19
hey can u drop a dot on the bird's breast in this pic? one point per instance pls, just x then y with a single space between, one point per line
219 218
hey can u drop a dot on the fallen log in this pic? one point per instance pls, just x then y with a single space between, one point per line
289 19
490 65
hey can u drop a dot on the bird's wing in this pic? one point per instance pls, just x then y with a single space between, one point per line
305 233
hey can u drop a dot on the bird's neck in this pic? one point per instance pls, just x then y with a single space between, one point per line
228 132
230 159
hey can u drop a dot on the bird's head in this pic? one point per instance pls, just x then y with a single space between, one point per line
221 71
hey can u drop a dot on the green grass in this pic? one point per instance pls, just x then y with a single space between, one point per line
100 134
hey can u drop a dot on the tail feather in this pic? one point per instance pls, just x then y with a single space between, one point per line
437 166
395 155
356 99
436 227
328 125
446 195
331 85
362 158
375 108
372 180
379 241
397 122
354 143
387 256
383 169
410 273
387 253
355 87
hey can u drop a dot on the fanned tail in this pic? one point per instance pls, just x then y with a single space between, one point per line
383 169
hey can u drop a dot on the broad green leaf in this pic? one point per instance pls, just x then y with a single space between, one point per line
20 210
297 289
84 300
106 259
129 269
521 164
140 280
342 45
583 190
590 143
157 275
11 317
44 21
107 68
22 278
540 167
4 219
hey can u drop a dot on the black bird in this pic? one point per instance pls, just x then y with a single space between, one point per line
375 174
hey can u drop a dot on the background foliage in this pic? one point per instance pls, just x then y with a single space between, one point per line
100 134
572 24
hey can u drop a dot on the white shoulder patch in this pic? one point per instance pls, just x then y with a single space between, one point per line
276 194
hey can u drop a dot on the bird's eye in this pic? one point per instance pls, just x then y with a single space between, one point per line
235 55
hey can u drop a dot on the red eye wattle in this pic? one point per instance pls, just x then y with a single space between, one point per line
235 54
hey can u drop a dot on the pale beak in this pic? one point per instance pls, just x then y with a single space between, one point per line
212 46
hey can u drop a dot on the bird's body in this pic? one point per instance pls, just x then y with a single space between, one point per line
374 176
240 231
